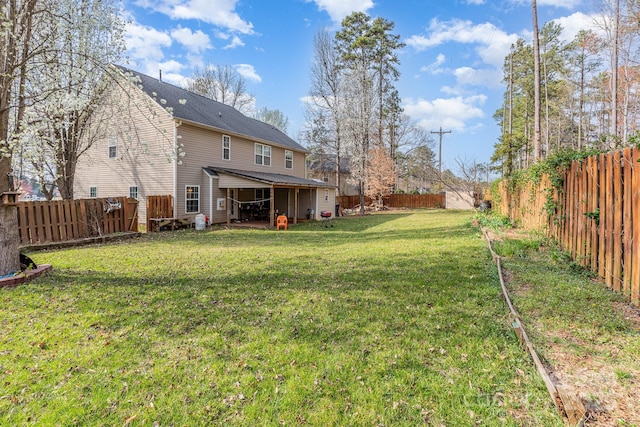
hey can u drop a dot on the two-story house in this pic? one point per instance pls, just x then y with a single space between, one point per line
160 139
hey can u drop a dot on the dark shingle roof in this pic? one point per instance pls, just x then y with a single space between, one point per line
199 109
268 178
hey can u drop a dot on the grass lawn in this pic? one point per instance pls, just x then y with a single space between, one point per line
588 336
392 319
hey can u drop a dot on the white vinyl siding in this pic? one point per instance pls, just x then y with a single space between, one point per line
263 154
192 199
226 147
288 159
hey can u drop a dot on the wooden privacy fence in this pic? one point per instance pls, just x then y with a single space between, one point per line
398 201
595 216
159 207
64 220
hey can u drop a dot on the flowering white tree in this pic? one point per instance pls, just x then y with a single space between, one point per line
53 53
16 28
68 83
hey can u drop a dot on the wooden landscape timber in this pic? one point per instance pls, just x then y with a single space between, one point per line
564 397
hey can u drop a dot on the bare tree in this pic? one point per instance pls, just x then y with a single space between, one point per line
224 84
275 118
325 106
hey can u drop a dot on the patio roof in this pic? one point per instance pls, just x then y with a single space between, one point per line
268 178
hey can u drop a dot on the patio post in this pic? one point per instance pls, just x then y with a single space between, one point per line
272 219
295 205
228 206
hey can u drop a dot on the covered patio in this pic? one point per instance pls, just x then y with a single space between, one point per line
260 197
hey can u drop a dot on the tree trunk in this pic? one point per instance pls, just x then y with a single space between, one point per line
614 74
537 145
9 240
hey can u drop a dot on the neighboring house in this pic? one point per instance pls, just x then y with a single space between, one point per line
159 139
323 167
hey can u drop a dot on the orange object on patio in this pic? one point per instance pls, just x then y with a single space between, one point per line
281 221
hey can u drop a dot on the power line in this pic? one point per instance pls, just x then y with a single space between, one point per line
440 132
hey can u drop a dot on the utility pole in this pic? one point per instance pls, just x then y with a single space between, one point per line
440 132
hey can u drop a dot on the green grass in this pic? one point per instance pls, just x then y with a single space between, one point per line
588 334
392 319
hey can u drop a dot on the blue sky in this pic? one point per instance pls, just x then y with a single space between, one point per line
450 67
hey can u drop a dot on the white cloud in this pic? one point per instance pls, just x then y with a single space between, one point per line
145 42
572 25
492 43
339 9
434 68
220 13
567 4
468 76
248 72
195 42
451 113
478 2
235 42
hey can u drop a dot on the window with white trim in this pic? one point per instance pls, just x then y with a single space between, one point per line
192 198
93 192
113 146
326 195
226 147
133 192
263 154
288 159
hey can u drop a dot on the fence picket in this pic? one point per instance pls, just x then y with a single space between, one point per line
63 220
627 221
635 224
617 221
596 218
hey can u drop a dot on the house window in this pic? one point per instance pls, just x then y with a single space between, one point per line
133 192
263 193
192 198
113 146
263 155
288 159
226 147
93 192
326 195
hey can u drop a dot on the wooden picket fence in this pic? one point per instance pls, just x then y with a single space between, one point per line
398 201
595 216
66 220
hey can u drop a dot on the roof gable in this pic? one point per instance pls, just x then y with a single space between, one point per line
198 109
